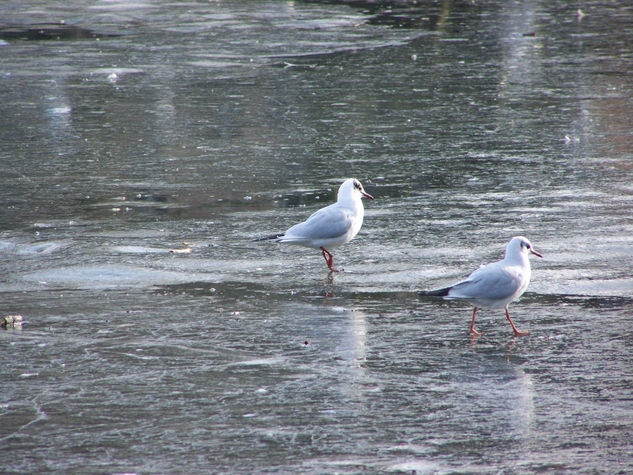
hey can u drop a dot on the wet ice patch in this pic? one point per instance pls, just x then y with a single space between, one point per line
60 110
5 246
139 250
39 249
113 75
414 466
32 249
107 276
151 250
274 361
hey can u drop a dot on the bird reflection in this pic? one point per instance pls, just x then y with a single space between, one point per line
328 289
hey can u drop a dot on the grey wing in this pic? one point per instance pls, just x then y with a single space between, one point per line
327 223
489 282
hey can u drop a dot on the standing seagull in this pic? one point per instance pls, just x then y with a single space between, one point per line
497 284
331 226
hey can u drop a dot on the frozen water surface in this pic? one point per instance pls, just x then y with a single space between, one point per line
144 145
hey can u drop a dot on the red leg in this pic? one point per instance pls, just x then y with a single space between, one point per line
329 259
474 332
516 332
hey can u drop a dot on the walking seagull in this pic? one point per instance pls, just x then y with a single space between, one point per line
331 226
497 284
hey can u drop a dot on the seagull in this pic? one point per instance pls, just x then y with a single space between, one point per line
497 284
331 226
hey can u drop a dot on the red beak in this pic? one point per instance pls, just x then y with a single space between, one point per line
366 195
536 253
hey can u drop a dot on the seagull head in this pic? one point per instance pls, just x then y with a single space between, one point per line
520 245
350 188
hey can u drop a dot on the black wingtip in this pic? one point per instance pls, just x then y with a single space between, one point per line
435 293
269 238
